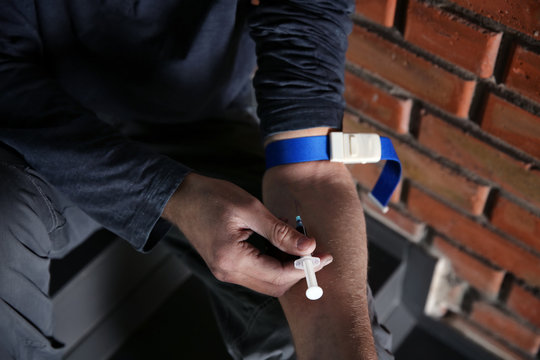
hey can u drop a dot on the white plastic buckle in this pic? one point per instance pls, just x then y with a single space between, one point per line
355 148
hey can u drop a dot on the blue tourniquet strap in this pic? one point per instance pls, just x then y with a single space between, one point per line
297 150
315 148
390 175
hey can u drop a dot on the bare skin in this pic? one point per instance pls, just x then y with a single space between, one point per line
217 216
337 326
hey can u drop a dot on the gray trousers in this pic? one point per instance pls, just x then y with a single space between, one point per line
38 224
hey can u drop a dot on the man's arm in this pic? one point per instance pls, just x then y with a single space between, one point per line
300 47
324 194
118 182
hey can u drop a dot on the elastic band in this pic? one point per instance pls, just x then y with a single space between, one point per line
297 150
314 148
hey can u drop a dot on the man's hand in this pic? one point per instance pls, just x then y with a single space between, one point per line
217 217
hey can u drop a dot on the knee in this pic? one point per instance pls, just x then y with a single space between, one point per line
24 248
27 212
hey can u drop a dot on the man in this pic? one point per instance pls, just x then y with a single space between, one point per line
92 97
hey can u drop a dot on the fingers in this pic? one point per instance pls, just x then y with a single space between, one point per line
263 273
326 259
269 278
277 280
281 235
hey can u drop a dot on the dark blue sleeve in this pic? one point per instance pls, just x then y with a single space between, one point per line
121 184
301 48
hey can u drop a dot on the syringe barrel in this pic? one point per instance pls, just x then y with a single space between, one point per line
310 273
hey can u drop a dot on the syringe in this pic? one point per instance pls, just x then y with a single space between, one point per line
308 263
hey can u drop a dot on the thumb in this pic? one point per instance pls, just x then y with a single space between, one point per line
281 235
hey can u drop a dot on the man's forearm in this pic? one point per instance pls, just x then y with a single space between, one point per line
338 324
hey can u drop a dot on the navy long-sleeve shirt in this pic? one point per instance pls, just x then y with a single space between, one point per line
66 65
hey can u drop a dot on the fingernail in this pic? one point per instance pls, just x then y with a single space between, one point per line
327 261
303 243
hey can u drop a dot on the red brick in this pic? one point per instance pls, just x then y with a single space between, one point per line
480 336
482 277
404 223
352 123
378 104
525 304
411 72
368 174
475 237
521 15
512 124
396 219
523 73
380 11
454 188
506 327
517 221
452 38
451 186
478 156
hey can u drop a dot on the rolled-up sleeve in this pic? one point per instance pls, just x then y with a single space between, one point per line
301 49
118 182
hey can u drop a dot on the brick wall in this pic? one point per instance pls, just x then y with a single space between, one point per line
456 85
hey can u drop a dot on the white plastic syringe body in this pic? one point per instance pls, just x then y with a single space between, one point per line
310 274
308 263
